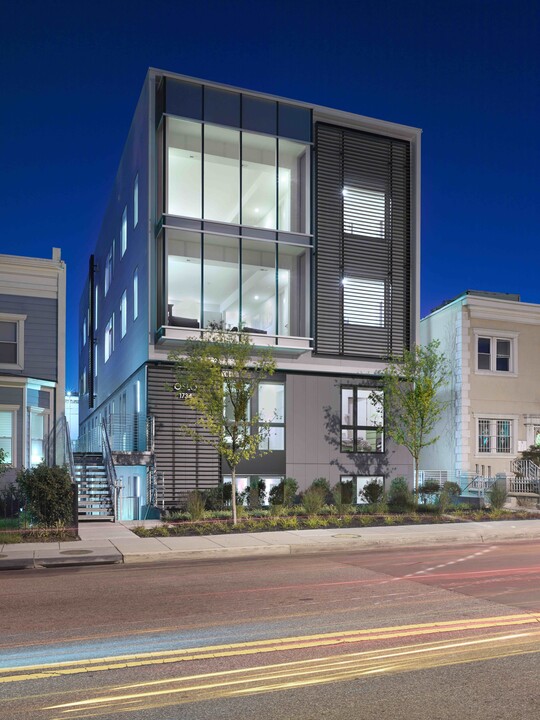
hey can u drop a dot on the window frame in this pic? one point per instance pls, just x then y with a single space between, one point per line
494 336
354 426
18 320
492 421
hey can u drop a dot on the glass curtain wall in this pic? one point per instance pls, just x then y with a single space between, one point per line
250 179
262 284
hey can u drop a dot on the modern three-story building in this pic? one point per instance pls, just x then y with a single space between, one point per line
297 222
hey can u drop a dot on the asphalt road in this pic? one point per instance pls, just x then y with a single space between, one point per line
450 632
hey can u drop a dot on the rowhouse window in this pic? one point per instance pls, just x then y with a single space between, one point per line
363 301
109 338
123 314
12 341
495 354
8 343
271 397
124 232
361 421
7 434
495 435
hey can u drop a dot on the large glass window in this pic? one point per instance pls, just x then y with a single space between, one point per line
271 397
259 287
363 301
221 274
136 201
109 338
184 279
293 186
293 290
109 269
361 421
259 180
184 168
221 174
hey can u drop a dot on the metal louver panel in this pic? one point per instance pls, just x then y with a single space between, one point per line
362 304
186 464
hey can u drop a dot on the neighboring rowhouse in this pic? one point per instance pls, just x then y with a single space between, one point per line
32 355
300 223
493 342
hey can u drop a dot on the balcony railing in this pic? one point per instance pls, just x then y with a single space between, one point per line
126 433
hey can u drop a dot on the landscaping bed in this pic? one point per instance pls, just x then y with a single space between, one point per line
10 534
361 519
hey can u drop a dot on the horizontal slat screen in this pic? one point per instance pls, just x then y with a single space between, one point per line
186 465
362 303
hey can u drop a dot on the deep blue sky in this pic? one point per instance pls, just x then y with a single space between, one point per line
467 72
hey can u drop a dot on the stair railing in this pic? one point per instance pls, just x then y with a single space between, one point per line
112 480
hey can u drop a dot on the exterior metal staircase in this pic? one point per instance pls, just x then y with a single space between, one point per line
95 498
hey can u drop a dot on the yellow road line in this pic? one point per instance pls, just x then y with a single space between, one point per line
31 672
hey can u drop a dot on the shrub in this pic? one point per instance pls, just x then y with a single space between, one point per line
342 508
214 498
452 488
372 492
323 485
400 496
498 495
347 493
195 505
49 495
444 501
257 489
284 492
313 500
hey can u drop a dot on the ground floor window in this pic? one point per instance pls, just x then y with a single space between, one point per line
352 487
361 421
244 482
39 429
495 435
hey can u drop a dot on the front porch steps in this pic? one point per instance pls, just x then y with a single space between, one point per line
95 501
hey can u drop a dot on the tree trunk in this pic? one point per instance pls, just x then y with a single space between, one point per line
416 472
233 494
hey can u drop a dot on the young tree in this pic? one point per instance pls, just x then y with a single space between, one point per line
411 398
217 376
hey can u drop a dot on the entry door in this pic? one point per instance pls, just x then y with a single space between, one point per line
129 498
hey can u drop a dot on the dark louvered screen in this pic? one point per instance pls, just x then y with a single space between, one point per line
186 465
362 292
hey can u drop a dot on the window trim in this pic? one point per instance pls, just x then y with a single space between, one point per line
493 336
19 320
355 426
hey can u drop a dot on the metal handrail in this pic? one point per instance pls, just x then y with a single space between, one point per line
112 480
69 449
526 469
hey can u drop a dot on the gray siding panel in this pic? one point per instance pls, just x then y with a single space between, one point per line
40 334
187 465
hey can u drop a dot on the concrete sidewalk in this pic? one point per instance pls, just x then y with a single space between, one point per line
105 542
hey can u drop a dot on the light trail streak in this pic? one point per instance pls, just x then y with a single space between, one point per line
35 672
302 673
